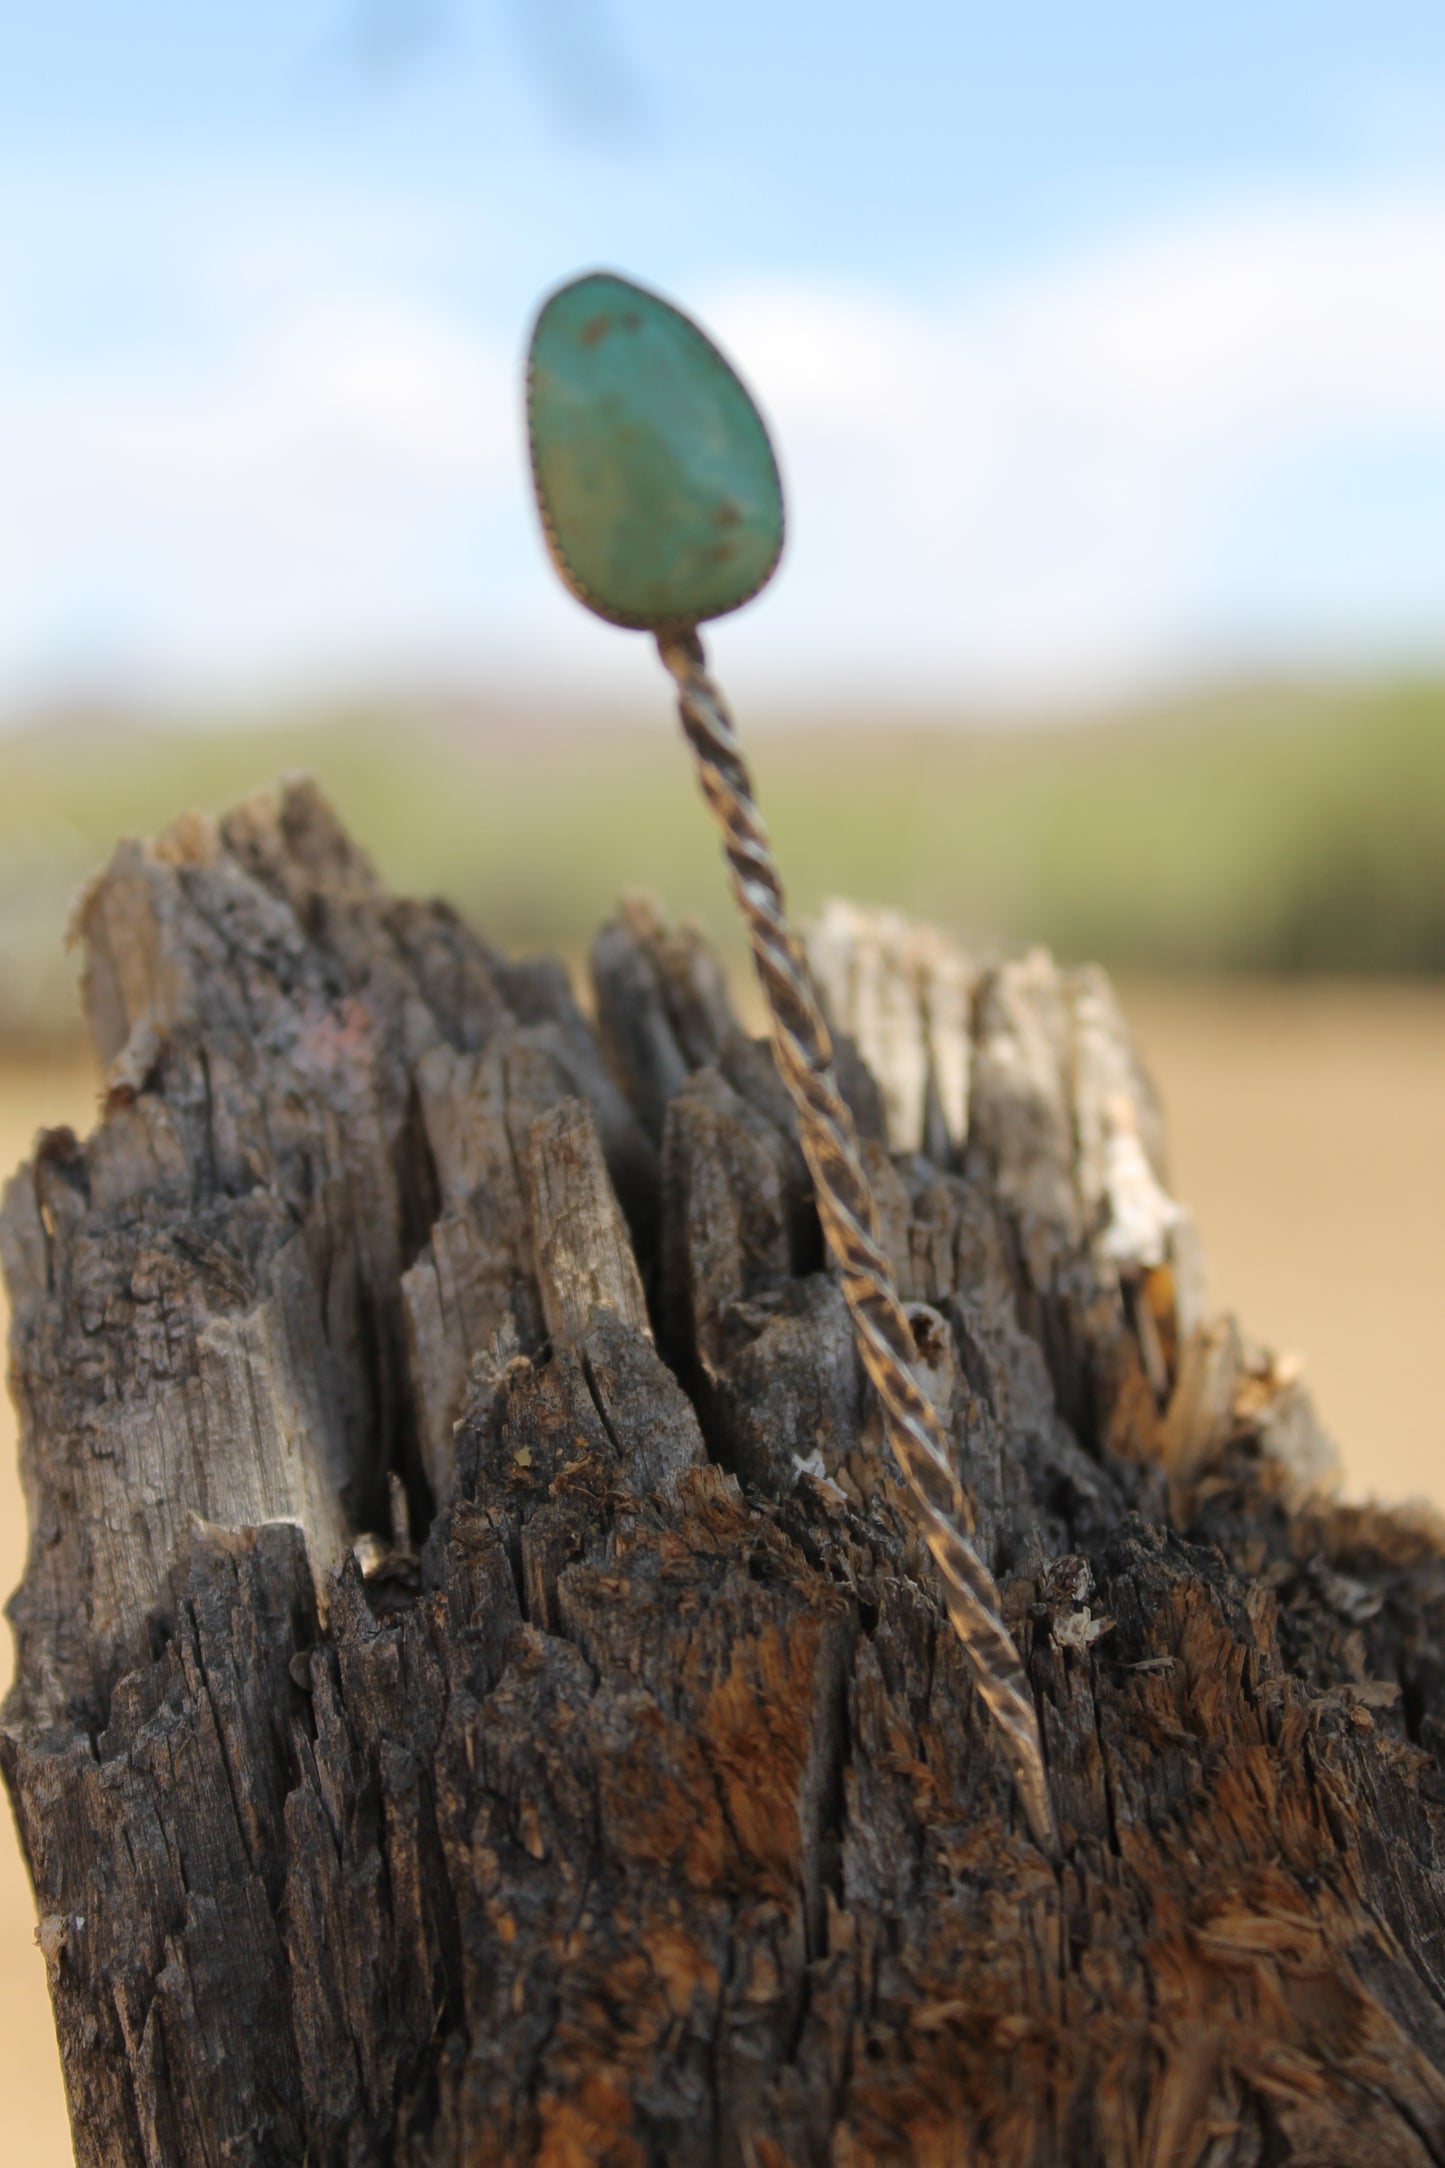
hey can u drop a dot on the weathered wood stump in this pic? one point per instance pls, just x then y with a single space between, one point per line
478 1699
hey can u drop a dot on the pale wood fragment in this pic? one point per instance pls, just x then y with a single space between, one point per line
584 1260
903 993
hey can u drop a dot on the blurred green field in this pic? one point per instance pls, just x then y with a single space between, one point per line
1277 830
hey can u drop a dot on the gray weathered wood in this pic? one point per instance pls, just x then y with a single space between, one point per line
478 1700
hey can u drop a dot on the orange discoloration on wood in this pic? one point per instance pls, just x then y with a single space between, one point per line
661 1803
685 1970
589 2130
755 1733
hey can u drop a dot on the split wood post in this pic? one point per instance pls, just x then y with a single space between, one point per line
478 1700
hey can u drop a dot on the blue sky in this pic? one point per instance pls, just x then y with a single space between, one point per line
1103 344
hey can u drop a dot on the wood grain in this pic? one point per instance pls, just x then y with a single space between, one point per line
504 1717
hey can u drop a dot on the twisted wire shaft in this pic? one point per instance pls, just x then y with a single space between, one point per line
804 1052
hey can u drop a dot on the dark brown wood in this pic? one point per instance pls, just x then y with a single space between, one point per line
478 1698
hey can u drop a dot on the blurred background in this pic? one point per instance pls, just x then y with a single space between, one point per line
1105 350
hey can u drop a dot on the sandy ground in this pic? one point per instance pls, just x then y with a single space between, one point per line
1308 1134
1308 1130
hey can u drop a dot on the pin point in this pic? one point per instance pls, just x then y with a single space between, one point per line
662 508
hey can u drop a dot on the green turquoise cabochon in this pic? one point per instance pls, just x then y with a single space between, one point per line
657 485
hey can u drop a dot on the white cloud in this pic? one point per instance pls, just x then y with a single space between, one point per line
1063 471
1056 479
277 493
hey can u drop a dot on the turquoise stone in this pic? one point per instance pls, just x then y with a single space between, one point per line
656 482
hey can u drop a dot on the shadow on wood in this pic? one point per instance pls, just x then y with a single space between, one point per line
478 1698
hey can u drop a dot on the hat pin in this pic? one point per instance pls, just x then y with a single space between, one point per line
662 508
